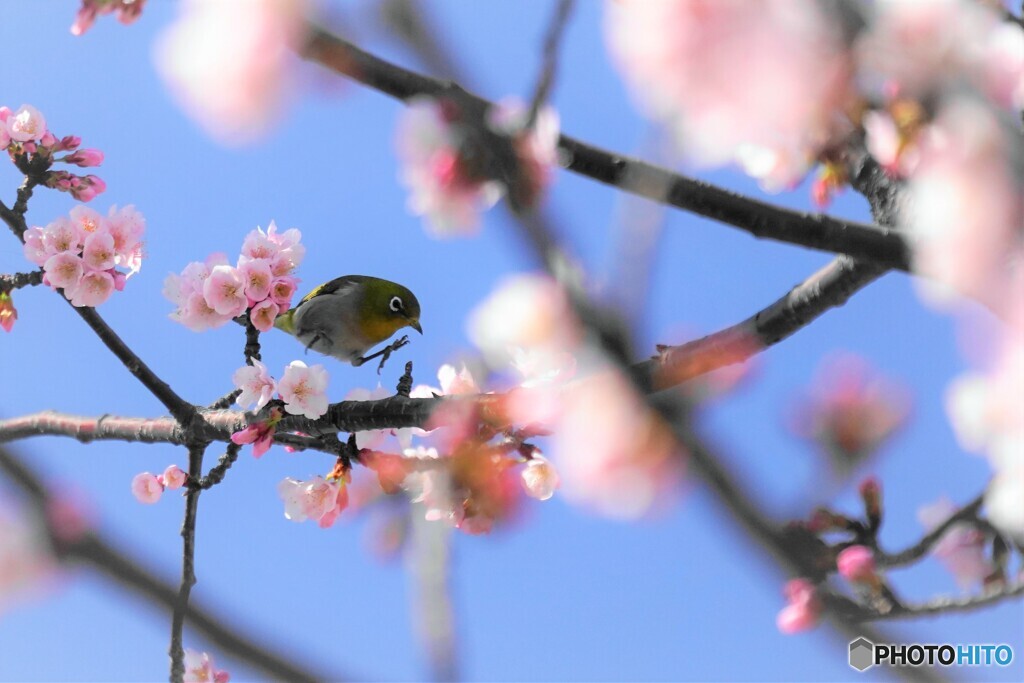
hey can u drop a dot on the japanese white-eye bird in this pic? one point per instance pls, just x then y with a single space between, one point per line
347 316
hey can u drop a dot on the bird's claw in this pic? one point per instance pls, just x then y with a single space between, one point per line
383 354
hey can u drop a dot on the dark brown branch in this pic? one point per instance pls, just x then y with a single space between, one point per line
188 557
763 220
217 472
19 280
93 550
946 605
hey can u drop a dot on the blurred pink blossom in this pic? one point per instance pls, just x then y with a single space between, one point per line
26 559
961 549
857 564
199 668
447 188
539 478
803 610
231 66
127 12
765 87
966 206
318 499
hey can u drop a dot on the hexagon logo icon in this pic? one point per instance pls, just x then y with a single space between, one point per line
862 654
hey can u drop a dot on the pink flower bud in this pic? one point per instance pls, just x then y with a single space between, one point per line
85 158
8 314
29 147
48 140
70 142
803 610
857 564
120 279
174 477
5 113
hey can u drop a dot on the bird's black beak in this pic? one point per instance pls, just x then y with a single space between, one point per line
415 324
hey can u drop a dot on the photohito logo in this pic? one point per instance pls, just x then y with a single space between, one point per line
864 654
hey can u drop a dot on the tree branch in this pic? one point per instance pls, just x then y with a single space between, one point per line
19 280
552 40
922 547
763 220
188 557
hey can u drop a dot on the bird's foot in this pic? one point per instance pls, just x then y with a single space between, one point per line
383 354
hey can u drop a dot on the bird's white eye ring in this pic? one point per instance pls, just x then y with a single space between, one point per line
396 304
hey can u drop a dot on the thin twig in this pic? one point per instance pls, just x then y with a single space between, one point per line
217 472
946 605
188 558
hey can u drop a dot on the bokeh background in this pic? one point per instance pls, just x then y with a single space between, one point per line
560 594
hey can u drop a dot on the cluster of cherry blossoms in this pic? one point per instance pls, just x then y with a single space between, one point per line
127 12
302 389
24 135
448 174
210 294
148 487
80 254
320 500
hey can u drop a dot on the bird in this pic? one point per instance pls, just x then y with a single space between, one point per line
346 317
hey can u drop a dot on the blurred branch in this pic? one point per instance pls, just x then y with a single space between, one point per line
94 550
946 605
429 566
816 231
552 41
922 547
19 280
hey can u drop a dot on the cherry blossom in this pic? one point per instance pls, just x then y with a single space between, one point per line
199 668
539 478
961 549
256 385
803 610
174 477
764 87
303 389
442 171
253 50
857 564
26 124
147 488
318 499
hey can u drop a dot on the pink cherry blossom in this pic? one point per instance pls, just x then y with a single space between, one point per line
147 488
371 439
26 558
456 382
62 235
282 290
64 271
35 248
199 668
26 124
764 86
258 278
259 434
313 499
804 608
174 477
87 188
98 252
961 549
289 250
127 226
263 315
857 564
539 478
303 389
224 291
93 289
256 384
253 56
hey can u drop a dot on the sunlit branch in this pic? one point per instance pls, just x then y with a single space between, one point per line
871 242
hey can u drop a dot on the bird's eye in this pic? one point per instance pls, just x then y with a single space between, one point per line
396 304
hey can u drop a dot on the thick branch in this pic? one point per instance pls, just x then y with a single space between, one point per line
870 242
19 280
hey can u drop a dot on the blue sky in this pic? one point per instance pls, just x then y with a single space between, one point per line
562 595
